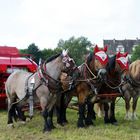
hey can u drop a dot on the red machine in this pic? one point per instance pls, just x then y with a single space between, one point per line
11 60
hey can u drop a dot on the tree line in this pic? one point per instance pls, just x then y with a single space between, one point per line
78 49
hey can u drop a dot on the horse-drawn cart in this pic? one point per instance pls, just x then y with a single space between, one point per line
11 60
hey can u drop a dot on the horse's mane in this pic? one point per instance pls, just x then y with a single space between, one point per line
52 58
112 63
89 58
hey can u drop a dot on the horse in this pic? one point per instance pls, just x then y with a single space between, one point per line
91 75
117 73
43 84
132 90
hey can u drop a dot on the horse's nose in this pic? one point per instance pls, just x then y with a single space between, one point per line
102 74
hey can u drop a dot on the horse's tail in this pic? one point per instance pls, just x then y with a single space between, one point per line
8 95
11 105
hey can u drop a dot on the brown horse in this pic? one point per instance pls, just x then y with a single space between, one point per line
117 72
44 84
91 75
132 90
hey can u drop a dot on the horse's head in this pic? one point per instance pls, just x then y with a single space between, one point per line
122 65
68 62
100 61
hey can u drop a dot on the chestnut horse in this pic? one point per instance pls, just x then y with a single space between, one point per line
92 74
45 83
132 90
117 73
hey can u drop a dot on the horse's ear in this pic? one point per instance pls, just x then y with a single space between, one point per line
105 48
65 52
125 54
96 49
118 54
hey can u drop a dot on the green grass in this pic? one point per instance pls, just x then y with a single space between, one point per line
126 130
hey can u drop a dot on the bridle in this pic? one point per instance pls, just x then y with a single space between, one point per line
123 78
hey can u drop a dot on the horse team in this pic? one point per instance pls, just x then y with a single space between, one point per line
58 79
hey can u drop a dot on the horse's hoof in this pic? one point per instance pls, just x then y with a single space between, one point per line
80 125
53 127
107 121
46 131
128 118
28 119
134 117
61 124
88 122
65 123
22 122
11 125
115 123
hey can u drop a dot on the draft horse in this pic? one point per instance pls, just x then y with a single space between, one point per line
92 74
132 90
45 87
117 73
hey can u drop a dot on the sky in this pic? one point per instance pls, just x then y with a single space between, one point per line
45 22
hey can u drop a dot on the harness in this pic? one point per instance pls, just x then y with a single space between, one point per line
133 82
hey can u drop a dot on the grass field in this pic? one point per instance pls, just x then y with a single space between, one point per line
126 130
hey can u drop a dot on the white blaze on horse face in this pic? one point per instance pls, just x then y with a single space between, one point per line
123 60
102 55
66 60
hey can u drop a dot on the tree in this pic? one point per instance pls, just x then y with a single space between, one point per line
35 52
136 53
78 47
23 51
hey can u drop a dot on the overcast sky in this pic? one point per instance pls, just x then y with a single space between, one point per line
44 22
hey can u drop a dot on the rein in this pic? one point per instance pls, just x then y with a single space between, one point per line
94 76
43 75
115 87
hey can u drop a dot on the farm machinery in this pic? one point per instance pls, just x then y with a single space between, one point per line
10 61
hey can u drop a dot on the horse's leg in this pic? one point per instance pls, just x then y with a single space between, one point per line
50 119
10 120
11 111
135 100
127 107
100 109
61 108
46 125
81 118
66 98
90 111
112 113
106 117
93 114
21 115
